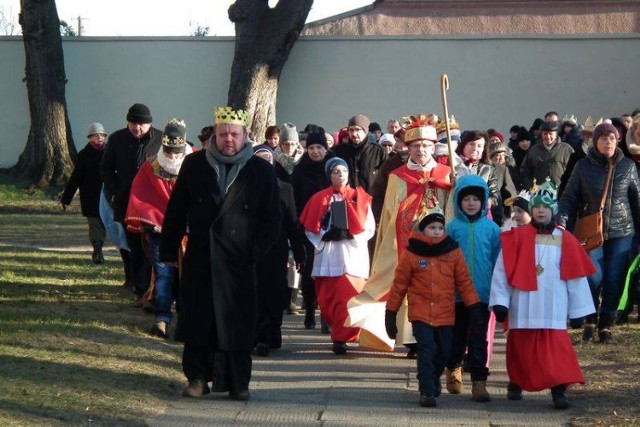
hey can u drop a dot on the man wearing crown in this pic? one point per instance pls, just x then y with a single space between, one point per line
414 190
226 200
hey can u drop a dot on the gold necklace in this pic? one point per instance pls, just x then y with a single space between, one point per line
539 267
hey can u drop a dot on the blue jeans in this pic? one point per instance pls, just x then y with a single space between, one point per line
434 349
611 262
163 291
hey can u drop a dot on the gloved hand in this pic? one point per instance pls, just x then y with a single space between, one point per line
576 323
390 323
501 312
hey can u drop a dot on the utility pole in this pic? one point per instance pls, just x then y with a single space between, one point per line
80 26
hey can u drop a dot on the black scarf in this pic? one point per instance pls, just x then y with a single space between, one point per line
421 248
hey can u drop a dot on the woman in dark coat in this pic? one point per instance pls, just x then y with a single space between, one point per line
228 232
307 179
621 219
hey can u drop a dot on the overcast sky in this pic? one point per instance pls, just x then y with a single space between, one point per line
162 17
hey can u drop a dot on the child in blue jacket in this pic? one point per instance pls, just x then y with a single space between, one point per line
479 240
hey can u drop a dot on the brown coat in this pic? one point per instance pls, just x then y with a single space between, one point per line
429 280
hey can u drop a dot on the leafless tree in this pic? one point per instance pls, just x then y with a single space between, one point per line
8 25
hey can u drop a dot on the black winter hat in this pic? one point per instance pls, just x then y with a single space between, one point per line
523 135
515 128
550 127
432 217
473 190
140 114
318 139
374 127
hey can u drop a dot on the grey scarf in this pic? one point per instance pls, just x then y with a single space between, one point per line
219 163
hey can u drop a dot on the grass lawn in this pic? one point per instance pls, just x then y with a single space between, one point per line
72 350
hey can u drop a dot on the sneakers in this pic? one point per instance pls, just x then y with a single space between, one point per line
159 329
514 392
559 396
479 392
427 401
454 380
588 332
196 388
604 336
339 348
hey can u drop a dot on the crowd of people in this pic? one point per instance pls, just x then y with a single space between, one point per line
423 236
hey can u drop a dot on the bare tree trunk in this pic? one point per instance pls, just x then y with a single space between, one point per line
48 155
264 39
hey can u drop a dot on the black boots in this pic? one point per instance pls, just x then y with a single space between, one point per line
514 392
559 396
97 257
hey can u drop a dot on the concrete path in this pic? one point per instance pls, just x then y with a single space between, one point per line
304 383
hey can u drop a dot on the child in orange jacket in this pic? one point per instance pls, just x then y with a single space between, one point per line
429 272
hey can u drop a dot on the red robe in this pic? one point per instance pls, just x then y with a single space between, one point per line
149 197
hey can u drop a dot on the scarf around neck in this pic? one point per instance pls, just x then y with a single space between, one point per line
219 163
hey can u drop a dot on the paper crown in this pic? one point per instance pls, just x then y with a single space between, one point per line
545 194
420 126
572 119
229 116
589 126
454 130
524 194
175 134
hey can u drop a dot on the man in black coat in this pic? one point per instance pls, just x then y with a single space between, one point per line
127 150
86 177
363 157
228 202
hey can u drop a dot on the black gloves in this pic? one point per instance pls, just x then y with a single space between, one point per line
336 234
390 323
576 323
501 312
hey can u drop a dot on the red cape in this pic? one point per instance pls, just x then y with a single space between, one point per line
358 202
519 255
149 198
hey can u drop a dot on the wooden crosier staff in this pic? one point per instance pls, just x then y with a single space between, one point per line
444 86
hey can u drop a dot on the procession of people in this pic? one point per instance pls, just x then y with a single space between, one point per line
421 237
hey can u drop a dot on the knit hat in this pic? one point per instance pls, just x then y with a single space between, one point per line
331 165
514 128
343 132
174 137
95 128
603 129
523 135
263 148
521 200
494 133
497 148
387 139
360 120
549 127
432 217
318 139
546 195
374 126
473 190
140 114
289 133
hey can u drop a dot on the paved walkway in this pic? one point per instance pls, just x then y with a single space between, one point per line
305 383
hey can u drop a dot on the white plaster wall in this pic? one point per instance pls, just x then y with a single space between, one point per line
495 82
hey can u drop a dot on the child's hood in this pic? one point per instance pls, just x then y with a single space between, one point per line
470 181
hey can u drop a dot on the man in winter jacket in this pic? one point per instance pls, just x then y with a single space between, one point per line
127 149
364 158
547 159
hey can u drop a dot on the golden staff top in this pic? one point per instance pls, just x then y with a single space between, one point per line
444 86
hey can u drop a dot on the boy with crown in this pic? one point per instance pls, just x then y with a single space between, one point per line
150 192
226 200
540 280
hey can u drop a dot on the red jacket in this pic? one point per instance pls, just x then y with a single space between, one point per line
428 273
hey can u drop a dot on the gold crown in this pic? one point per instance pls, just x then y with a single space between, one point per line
420 126
442 125
177 122
229 116
175 142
